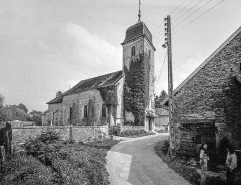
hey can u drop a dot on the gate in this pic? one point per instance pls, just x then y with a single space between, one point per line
5 141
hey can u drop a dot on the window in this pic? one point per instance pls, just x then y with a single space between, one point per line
70 112
133 51
85 111
239 67
149 53
103 110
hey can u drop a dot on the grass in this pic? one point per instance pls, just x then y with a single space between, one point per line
188 171
76 163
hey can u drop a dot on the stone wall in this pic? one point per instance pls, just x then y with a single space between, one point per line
120 107
214 88
80 100
77 133
124 128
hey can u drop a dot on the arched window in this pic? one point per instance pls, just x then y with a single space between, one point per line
85 111
103 110
133 51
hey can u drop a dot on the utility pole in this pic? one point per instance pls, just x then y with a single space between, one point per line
170 82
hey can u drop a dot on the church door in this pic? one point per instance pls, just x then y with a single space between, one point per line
150 124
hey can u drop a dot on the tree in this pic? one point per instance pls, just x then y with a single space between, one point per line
23 107
163 95
160 98
58 94
1 100
36 116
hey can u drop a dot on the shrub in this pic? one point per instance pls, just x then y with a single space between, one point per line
23 169
132 132
44 147
166 145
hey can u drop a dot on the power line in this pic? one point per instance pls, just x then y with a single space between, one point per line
170 14
193 13
161 70
159 36
198 16
158 28
160 40
188 10
182 9
178 7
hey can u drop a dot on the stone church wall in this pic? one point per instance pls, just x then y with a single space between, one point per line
148 47
82 99
127 51
215 88
120 106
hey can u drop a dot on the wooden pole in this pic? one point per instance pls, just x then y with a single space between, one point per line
170 84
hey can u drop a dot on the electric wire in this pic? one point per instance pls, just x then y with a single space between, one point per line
188 10
161 71
158 29
192 13
170 14
182 9
198 17
161 36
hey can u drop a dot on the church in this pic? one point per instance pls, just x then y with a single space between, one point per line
124 97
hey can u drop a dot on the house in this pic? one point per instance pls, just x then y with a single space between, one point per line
115 98
162 119
209 99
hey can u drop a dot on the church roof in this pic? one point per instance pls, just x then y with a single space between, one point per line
89 84
204 63
138 30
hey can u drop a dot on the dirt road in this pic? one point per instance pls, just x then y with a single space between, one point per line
135 162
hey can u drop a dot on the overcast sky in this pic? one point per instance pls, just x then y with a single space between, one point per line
47 45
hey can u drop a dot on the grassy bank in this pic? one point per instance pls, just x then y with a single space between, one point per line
52 161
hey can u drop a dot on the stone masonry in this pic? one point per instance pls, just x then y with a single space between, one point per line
215 88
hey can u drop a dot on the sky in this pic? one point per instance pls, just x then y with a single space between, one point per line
50 45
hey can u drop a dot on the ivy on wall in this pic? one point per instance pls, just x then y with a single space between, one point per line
109 95
136 87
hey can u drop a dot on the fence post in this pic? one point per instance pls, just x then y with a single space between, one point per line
70 134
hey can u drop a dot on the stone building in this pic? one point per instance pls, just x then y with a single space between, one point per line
162 119
212 93
115 98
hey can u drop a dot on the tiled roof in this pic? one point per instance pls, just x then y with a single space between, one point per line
137 30
91 83
204 63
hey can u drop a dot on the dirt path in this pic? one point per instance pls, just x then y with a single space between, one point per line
135 162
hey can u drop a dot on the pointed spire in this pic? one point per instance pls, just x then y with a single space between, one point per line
139 15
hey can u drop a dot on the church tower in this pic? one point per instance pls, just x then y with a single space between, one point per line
138 71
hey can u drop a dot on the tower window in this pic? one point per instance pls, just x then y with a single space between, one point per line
133 51
103 110
85 111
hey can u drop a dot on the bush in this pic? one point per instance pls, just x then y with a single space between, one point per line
23 169
166 145
133 132
44 147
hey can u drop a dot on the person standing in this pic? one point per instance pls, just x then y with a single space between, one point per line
231 163
203 162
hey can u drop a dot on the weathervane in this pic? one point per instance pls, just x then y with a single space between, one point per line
139 15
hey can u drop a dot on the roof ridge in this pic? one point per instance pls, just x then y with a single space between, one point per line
202 65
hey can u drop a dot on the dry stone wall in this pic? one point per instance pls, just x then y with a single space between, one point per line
77 133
